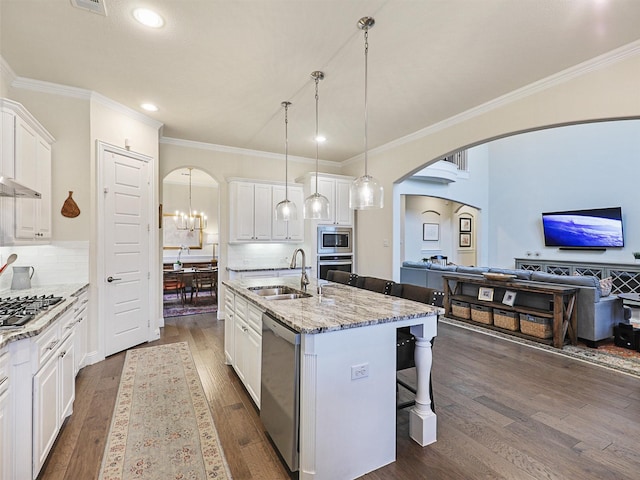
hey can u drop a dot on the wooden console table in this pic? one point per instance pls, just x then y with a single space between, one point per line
564 314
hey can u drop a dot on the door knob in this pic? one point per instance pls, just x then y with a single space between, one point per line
111 279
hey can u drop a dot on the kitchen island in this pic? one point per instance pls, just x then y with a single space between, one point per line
348 371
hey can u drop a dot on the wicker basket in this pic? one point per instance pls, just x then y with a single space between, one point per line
506 319
540 327
482 314
460 309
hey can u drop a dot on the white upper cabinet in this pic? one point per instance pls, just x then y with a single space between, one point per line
336 189
26 157
252 213
292 230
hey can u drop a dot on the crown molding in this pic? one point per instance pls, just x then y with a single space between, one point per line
242 151
593 65
82 94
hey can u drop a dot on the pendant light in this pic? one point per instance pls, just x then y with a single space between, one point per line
366 192
190 221
316 206
286 210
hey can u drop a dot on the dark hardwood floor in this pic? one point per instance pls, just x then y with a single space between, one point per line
505 411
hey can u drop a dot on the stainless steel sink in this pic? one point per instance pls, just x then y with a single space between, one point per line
281 292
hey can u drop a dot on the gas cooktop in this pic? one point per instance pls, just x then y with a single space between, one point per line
18 311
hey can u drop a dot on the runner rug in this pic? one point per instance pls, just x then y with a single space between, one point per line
162 427
626 361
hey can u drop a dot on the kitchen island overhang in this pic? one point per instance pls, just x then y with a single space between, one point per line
348 373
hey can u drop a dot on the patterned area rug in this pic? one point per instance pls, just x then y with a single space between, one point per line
609 356
205 303
162 427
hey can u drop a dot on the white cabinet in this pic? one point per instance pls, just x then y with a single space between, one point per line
229 326
53 386
81 334
247 342
5 416
336 189
253 352
250 211
25 155
292 230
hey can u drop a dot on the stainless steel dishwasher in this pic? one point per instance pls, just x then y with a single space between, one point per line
280 395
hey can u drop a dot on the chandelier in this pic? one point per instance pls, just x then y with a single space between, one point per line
191 220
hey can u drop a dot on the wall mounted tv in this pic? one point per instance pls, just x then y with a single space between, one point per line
584 229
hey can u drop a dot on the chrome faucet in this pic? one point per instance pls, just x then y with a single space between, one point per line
304 279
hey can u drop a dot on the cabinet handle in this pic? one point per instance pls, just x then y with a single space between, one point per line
245 329
62 354
4 379
53 344
69 326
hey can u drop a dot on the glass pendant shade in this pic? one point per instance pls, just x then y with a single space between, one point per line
366 193
316 207
286 210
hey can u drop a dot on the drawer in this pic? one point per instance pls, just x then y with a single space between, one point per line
229 301
46 344
241 308
254 318
66 321
80 308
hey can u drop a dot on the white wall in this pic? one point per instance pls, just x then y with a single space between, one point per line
593 165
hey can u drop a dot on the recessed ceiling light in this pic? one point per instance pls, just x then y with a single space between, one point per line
321 139
148 17
149 107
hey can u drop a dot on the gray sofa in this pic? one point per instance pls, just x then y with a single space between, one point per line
597 315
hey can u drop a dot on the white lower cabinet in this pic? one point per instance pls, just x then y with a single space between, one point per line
5 416
229 326
247 346
53 395
81 334
43 371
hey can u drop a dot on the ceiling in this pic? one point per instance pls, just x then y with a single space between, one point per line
218 70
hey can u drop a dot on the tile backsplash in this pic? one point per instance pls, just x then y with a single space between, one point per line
56 263
261 255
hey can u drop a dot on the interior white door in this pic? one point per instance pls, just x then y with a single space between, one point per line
126 249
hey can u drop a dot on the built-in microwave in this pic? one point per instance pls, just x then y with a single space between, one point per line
334 239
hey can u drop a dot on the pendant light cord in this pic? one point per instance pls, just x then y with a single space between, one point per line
286 151
317 142
366 115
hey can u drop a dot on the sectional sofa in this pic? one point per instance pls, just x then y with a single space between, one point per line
597 314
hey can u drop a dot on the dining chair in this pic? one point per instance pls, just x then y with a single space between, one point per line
173 282
206 280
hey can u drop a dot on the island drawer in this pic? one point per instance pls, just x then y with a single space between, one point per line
46 343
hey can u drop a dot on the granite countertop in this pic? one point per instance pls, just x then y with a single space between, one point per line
263 268
339 307
67 291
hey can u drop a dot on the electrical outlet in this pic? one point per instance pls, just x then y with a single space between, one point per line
385 242
359 371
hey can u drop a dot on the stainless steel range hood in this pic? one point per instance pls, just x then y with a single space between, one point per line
10 188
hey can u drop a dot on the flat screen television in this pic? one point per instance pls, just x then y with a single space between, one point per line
595 228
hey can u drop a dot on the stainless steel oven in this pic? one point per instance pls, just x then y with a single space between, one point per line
334 262
333 240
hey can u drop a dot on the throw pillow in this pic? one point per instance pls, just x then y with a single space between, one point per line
605 286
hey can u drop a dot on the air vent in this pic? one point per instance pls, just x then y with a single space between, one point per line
95 6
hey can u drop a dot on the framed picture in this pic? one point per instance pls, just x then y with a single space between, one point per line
430 232
465 239
173 238
465 225
509 298
486 294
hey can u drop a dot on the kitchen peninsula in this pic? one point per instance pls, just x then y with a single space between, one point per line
347 369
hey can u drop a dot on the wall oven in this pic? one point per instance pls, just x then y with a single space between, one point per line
334 262
332 240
